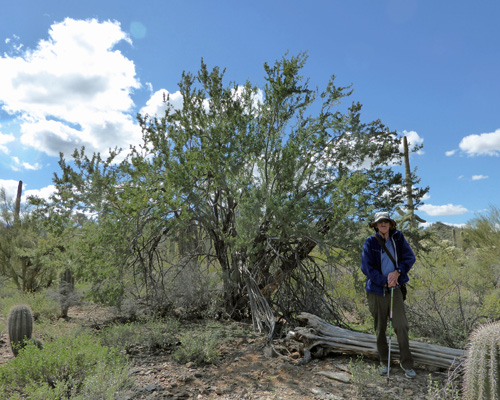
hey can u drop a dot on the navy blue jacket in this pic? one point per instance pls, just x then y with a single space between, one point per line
371 261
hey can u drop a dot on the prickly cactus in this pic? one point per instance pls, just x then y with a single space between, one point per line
66 289
20 325
482 367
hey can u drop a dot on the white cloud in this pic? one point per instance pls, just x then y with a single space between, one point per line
10 187
43 193
448 209
479 177
450 153
413 139
4 139
19 165
484 144
74 89
156 105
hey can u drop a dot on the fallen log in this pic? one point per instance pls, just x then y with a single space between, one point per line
320 337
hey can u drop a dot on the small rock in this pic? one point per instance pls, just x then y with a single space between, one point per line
150 388
269 352
338 376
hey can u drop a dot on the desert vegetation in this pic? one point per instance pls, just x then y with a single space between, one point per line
247 204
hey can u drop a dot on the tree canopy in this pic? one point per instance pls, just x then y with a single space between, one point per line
249 180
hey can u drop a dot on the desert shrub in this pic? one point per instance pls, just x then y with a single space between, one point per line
68 367
43 306
363 373
200 347
160 334
121 336
442 302
448 389
153 335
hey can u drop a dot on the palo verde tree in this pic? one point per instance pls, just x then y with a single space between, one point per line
264 176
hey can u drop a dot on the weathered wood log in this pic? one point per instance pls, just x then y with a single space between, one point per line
319 335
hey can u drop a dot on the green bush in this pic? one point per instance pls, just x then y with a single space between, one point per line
362 373
443 302
42 305
161 334
199 348
154 335
121 336
68 367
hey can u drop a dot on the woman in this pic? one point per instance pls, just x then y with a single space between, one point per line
384 274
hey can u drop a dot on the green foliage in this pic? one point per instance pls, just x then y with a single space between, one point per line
444 296
454 289
446 391
27 252
152 335
240 178
69 367
484 230
121 336
42 305
362 373
200 347
161 334
482 366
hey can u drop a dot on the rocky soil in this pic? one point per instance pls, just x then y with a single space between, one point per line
251 369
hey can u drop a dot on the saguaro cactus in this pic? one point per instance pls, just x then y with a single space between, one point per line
20 324
482 367
66 290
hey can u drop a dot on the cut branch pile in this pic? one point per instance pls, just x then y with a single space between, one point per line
319 337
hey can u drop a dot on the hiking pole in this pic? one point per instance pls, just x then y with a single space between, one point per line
390 337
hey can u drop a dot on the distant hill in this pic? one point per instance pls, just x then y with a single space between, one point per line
443 231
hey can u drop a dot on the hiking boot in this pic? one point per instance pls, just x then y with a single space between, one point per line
409 373
383 370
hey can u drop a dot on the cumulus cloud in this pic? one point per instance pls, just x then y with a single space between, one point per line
4 139
43 193
10 187
413 139
162 99
450 153
487 144
448 209
479 177
20 165
157 103
74 89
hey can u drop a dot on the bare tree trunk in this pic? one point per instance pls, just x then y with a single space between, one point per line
318 337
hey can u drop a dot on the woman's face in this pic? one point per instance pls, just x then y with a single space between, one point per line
383 226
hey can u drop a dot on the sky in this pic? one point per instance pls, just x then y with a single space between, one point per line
76 73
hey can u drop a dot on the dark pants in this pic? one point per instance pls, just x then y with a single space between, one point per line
380 309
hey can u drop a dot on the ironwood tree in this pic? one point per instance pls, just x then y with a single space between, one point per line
255 179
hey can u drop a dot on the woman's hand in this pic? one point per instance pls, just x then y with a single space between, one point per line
392 279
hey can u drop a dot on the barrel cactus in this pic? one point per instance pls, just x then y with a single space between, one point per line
20 326
482 366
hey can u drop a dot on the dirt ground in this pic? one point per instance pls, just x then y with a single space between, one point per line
250 369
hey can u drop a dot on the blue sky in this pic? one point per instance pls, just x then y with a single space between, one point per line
76 73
